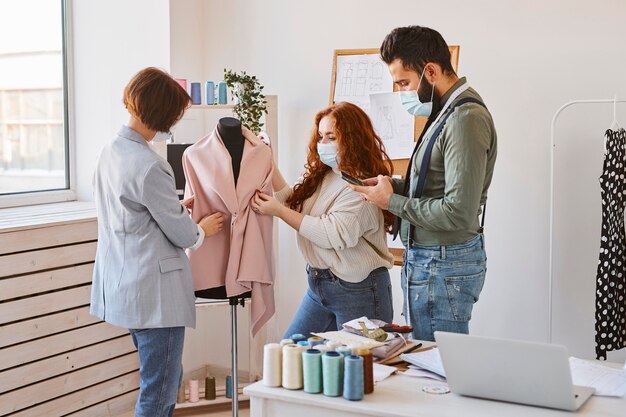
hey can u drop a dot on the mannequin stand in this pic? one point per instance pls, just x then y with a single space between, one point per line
234 301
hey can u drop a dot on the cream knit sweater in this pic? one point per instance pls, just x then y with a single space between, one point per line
340 231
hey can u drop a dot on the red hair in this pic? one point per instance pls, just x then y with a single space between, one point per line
361 153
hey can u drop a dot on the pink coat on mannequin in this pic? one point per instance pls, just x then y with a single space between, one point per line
240 256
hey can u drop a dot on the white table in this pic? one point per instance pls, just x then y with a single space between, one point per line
401 396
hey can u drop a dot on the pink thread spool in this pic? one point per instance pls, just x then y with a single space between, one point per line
194 392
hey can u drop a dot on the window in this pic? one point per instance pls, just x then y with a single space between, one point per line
33 98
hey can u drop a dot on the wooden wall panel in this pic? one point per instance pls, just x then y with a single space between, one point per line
54 279
57 359
39 260
26 330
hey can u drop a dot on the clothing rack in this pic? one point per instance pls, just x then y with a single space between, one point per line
612 101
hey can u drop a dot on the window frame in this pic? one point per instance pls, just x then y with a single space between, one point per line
67 193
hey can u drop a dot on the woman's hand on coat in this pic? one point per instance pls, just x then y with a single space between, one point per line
266 204
212 224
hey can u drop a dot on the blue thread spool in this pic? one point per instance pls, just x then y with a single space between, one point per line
297 337
332 374
303 343
229 387
353 384
209 88
315 340
196 93
222 94
344 350
312 371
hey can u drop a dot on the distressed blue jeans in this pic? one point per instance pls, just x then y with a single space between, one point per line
441 285
160 369
330 301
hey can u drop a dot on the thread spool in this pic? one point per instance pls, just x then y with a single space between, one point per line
209 388
229 387
196 93
315 340
312 371
368 369
297 337
332 374
344 350
292 367
182 82
222 93
353 378
322 348
209 95
181 398
194 392
303 343
333 345
286 342
272 365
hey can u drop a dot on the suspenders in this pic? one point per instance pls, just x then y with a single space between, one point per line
421 180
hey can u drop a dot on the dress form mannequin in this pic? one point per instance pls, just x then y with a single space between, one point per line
229 130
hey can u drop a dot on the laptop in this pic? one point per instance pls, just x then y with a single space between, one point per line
510 370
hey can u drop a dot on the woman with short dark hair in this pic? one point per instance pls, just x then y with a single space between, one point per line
142 278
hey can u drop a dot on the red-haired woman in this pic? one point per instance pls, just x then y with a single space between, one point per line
341 237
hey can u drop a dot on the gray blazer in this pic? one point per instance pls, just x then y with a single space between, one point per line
142 277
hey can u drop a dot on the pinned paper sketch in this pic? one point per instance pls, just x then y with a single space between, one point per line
358 76
393 124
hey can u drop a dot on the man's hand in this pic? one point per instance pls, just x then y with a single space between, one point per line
377 191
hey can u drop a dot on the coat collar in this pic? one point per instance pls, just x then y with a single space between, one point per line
130 134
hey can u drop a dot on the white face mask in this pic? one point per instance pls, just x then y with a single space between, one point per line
328 154
412 103
162 137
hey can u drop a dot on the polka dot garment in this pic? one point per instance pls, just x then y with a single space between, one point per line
611 275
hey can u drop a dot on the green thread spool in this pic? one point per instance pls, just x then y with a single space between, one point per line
344 350
209 388
332 371
312 371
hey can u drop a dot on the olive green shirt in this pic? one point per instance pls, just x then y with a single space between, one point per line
459 175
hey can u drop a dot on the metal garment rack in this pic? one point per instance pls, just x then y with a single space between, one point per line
612 101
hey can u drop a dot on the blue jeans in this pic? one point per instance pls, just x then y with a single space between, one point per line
160 369
441 285
330 301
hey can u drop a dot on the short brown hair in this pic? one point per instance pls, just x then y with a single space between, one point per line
156 99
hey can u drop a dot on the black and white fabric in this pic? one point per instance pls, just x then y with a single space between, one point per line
611 275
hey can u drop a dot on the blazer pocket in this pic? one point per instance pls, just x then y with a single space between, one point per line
170 264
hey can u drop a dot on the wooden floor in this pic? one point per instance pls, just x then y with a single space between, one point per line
224 410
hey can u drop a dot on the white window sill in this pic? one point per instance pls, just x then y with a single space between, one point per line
42 197
40 215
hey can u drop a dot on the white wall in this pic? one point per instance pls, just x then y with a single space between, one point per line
112 40
525 58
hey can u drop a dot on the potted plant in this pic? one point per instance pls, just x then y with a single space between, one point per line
250 100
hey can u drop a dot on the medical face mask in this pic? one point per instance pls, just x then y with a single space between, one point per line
412 103
328 154
162 137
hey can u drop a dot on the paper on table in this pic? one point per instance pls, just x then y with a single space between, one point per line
349 339
381 372
415 371
355 323
427 359
609 382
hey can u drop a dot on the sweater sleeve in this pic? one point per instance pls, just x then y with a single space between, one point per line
342 226
283 194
